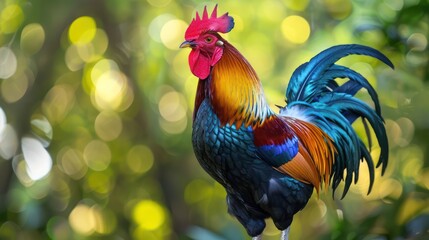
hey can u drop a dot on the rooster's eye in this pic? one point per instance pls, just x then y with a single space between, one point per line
208 39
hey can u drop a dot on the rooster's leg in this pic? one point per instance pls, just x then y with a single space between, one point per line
259 237
285 234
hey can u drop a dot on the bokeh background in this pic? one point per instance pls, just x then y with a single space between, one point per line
96 104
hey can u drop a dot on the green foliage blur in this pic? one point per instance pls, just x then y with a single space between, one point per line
96 104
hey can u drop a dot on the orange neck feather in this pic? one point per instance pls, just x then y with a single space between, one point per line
235 91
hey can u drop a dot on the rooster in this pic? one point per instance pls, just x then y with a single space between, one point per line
270 162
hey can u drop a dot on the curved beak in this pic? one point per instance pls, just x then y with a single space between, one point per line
186 44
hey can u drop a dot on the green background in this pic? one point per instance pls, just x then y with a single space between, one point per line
96 105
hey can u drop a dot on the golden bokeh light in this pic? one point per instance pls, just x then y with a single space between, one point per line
172 106
82 30
157 24
58 102
11 18
110 88
94 50
140 159
295 29
71 162
14 88
149 215
72 59
172 33
108 125
127 99
102 66
97 155
87 220
176 127
32 38
8 62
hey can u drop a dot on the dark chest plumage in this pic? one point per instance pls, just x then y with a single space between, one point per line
230 157
226 153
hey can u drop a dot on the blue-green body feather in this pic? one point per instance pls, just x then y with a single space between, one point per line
255 190
318 97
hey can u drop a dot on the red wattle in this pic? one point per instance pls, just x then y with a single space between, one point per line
199 64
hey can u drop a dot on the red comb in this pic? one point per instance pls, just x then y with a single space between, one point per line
199 25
